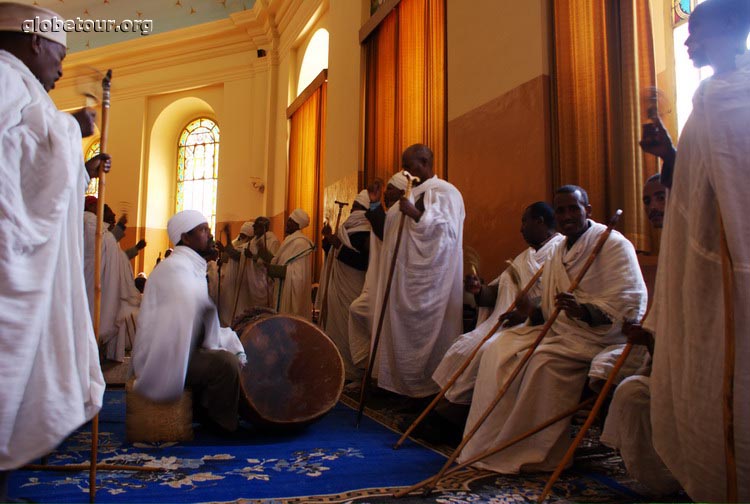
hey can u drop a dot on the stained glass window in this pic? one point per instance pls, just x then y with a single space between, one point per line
682 10
93 150
198 168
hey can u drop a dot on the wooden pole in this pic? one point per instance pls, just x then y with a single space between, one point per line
238 283
269 290
324 304
727 271
106 85
367 377
468 360
504 446
545 329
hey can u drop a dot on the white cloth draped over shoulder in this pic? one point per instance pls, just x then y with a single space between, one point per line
526 264
233 286
345 286
293 294
711 175
554 377
49 363
362 308
259 286
127 316
424 314
176 317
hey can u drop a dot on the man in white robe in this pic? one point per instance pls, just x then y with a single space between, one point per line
291 266
259 284
538 229
180 342
49 364
710 181
118 288
235 291
361 309
553 379
347 259
424 312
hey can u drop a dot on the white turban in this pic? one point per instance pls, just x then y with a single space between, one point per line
20 18
300 217
247 228
184 222
363 198
399 181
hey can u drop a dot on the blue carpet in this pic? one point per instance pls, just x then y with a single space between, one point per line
329 457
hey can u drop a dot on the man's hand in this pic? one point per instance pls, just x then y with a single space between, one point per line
375 190
92 165
248 254
408 208
86 118
123 221
655 140
327 232
141 244
513 318
636 334
472 284
567 303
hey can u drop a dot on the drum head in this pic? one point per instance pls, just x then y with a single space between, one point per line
294 372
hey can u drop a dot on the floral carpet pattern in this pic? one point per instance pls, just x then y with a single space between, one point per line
330 461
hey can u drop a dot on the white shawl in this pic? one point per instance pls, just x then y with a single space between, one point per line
175 312
425 310
49 363
293 294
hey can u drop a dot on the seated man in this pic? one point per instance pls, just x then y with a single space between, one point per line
292 266
180 341
348 255
590 319
538 229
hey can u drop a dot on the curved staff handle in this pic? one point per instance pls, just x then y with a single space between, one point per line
497 326
367 378
522 363
106 86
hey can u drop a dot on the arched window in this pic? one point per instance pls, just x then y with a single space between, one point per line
198 168
93 150
315 59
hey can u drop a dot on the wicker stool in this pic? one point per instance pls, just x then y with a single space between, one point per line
149 421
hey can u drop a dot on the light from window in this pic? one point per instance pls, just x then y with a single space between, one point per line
93 150
198 168
315 59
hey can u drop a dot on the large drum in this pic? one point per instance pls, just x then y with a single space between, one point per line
294 373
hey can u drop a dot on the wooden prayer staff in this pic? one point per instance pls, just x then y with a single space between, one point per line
324 304
106 84
468 360
269 280
508 444
238 285
727 271
410 179
545 329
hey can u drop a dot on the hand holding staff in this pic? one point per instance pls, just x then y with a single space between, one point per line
368 372
329 269
545 329
496 327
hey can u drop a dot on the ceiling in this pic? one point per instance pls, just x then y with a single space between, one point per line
165 15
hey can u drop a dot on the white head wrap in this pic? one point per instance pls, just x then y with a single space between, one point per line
399 181
183 222
300 217
247 229
21 18
363 198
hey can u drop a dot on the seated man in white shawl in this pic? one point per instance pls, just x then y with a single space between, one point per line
119 297
235 291
180 342
49 364
347 257
361 309
292 267
424 312
553 379
538 230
